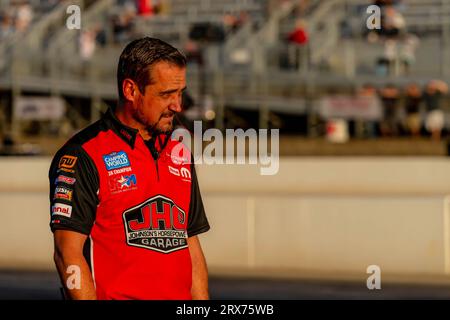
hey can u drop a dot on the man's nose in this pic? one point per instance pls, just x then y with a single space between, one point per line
176 104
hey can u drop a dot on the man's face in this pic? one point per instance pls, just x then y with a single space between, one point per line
156 107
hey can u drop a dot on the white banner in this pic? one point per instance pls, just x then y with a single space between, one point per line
351 107
39 108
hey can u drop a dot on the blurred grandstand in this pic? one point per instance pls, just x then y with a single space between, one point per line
308 67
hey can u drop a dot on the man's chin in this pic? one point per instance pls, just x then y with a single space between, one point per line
164 125
163 129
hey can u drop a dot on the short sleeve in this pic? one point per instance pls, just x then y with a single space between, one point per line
74 185
197 221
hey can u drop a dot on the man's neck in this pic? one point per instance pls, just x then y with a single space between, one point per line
127 119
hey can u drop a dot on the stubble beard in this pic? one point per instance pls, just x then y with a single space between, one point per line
153 129
156 130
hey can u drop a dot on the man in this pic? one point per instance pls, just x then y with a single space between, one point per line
126 208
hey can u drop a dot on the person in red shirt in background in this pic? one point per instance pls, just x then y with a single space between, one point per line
145 7
297 51
299 35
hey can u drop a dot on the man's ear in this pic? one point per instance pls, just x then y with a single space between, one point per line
129 88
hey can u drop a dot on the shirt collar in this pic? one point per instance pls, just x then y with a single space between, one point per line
126 133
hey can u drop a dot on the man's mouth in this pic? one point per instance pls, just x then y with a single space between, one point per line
168 115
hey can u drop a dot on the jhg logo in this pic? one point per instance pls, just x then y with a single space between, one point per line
374 281
67 162
157 224
374 21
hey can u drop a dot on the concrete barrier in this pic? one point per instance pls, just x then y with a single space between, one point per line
318 217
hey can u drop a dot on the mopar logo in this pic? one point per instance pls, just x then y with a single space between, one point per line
116 160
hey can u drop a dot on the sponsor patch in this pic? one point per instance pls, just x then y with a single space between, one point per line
157 224
65 179
67 162
174 171
177 159
63 193
116 160
122 183
119 171
62 210
184 173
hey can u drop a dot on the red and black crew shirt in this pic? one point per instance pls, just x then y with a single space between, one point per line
138 201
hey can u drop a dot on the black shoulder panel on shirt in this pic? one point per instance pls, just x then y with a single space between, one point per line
197 221
88 133
74 183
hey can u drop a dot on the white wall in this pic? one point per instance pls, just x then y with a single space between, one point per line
318 217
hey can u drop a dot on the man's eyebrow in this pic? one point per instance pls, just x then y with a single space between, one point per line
172 91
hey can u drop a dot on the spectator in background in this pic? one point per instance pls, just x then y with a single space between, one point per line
399 47
233 23
123 23
299 35
369 127
193 52
241 20
162 7
229 22
24 16
408 52
386 63
8 145
393 23
297 49
145 8
87 44
413 101
302 7
433 96
390 97
6 25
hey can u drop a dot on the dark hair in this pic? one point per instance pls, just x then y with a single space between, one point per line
139 56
